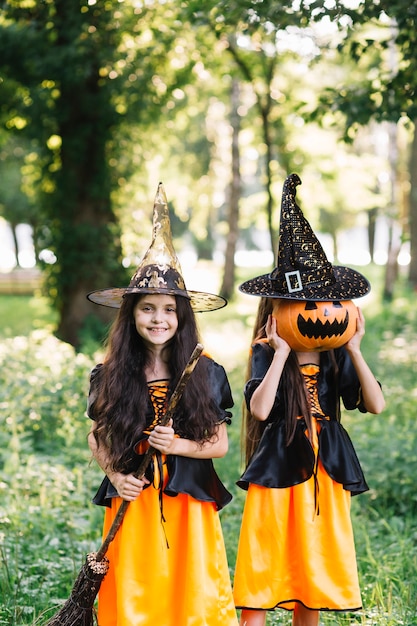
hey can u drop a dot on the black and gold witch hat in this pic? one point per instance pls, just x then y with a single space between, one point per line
302 271
160 270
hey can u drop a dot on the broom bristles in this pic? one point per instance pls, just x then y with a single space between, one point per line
79 610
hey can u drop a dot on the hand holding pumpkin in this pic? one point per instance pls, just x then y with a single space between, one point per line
275 341
355 341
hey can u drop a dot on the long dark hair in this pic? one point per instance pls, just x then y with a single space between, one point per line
295 393
121 398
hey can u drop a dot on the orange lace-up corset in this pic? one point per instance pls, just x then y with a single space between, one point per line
311 373
158 393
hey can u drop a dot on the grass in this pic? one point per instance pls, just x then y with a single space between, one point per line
47 521
20 314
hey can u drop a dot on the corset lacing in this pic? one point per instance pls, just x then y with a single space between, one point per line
310 373
158 393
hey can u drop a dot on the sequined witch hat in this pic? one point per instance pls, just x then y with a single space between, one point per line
160 270
303 271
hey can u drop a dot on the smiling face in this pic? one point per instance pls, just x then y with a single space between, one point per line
311 326
155 317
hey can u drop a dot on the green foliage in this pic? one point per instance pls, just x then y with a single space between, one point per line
42 396
379 37
46 524
388 441
45 531
92 335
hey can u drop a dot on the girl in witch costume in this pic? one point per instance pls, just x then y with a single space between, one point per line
167 562
296 548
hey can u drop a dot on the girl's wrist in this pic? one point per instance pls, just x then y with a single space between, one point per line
113 477
353 350
281 351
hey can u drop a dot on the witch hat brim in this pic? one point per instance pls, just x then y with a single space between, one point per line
303 271
348 284
159 271
200 301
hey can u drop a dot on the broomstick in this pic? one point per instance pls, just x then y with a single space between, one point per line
78 610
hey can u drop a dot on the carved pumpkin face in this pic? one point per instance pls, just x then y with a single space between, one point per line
311 326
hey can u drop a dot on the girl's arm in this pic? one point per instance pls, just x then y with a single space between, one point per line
127 486
372 395
263 397
163 439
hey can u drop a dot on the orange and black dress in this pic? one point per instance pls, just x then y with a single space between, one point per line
168 563
296 542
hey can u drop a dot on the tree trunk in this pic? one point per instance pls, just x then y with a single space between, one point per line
413 211
335 246
372 214
15 243
264 106
85 231
265 112
391 270
228 283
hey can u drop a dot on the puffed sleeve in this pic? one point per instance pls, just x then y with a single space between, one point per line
198 477
349 386
220 389
261 357
345 385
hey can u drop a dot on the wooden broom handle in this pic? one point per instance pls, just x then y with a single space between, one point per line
172 405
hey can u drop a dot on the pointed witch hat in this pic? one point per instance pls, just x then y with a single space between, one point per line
303 271
160 270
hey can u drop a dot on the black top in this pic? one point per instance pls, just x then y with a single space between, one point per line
276 465
195 477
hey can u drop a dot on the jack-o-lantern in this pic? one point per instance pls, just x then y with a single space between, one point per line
314 326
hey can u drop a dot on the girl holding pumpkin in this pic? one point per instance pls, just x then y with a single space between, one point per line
168 561
296 549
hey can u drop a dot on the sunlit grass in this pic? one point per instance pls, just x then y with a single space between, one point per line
21 314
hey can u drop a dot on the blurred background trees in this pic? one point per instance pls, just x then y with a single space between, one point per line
221 101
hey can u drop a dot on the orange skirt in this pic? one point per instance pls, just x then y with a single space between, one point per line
289 552
166 573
